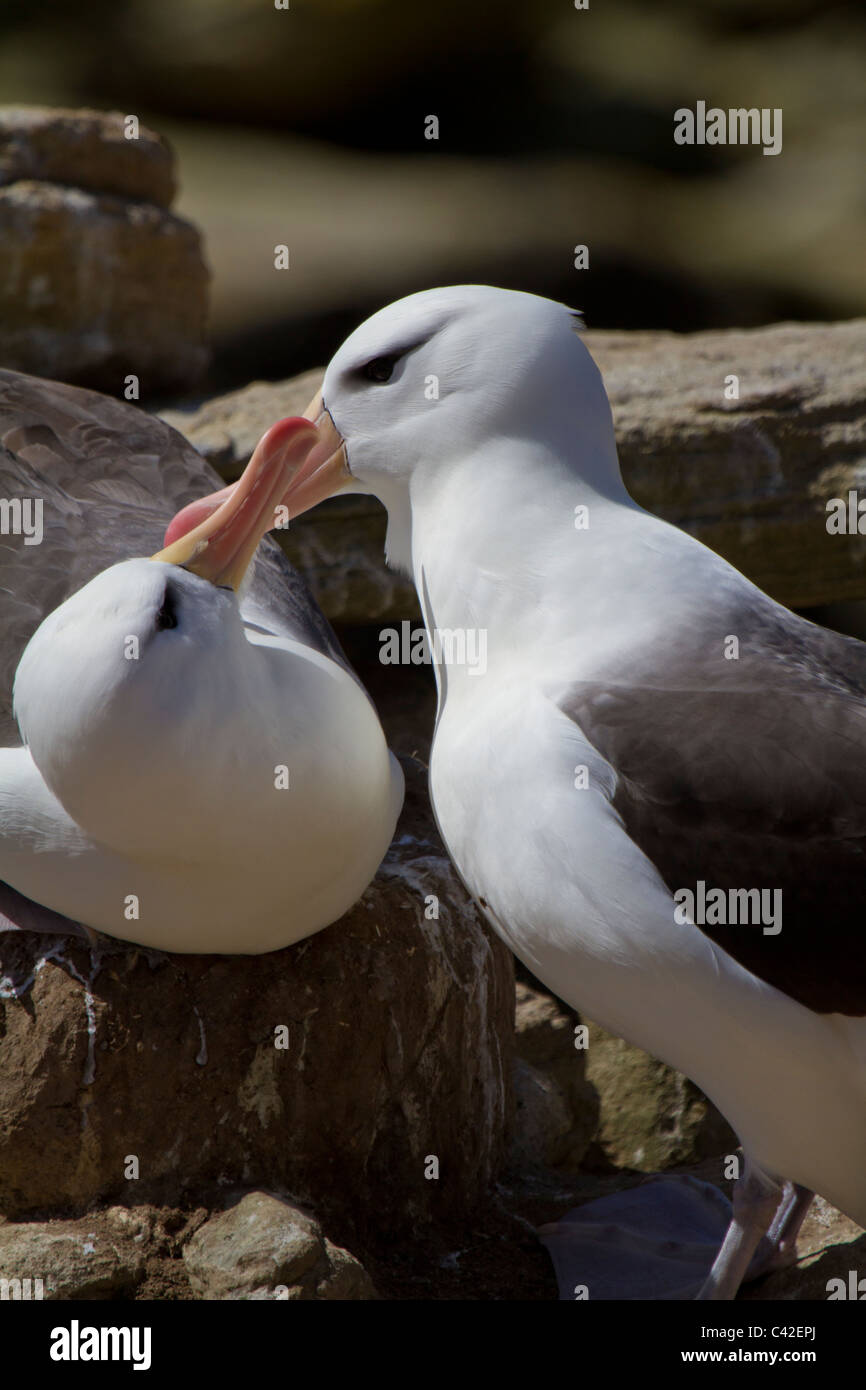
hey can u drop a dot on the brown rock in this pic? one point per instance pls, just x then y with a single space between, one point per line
399 1048
98 280
85 149
266 1248
72 1259
830 1247
633 1110
542 1121
652 1117
557 1110
749 477
94 288
226 429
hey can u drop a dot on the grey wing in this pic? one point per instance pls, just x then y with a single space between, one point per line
751 773
18 913
109 478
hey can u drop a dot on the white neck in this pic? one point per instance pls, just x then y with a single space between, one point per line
495 545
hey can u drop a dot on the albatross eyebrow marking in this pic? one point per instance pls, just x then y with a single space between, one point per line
387 361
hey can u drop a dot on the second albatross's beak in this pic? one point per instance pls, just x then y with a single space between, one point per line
325 470
221 546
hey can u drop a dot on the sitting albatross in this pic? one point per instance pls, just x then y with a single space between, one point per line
200 771
613 753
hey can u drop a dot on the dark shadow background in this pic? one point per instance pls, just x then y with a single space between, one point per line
306 127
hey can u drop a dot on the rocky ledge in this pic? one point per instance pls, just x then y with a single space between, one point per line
365 1071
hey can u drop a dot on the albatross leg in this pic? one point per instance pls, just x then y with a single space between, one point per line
756 1201
778 1248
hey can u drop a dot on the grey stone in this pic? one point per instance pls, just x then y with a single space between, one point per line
651 1117
98 279
264 1247
73 1259
542 1120
399 1032
557 1110
85 149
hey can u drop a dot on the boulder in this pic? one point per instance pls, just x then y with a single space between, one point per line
99 281
606 1105
85 149
830 1246
557 1110
226 429
85 1259
265 1248
750 476
335 1070
651 1117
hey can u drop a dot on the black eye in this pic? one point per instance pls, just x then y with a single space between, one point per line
167 615
380 368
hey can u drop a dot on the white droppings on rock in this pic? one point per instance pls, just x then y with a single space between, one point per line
201 1056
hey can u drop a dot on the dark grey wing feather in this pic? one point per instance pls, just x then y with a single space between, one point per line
751 773
18 913
110 478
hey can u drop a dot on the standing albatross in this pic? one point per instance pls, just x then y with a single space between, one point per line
613 754
201 771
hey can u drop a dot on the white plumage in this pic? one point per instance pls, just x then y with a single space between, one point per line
479 419
198 773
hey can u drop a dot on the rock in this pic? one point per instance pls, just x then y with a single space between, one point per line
609 1103
830 1246
749 477
264 1247
85 149
73 1259
98 280
545 1028
136 1076
652 1117
226 429
542 1121
557 1109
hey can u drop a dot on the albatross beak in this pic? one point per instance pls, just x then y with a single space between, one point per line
221 546
318 469
325 470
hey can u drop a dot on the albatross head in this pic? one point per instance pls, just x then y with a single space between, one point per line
435 381
135 693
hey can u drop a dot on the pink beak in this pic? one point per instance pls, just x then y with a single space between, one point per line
315 469
217 537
